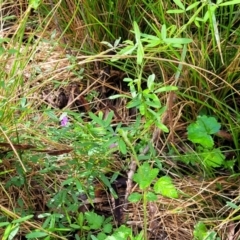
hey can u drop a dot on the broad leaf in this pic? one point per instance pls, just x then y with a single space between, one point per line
213 158
134 197
199 132
165 187
94 221
145 175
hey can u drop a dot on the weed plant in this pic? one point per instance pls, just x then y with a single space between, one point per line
179 153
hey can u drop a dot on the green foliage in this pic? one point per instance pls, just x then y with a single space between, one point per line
165 187
164 46
201 233
200 131
145 175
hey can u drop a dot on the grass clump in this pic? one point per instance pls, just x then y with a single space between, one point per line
119 119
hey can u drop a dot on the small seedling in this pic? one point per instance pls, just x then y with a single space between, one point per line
200 133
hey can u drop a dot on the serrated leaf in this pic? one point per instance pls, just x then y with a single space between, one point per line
199 132
195 136
151 197
213 158
94 220
145 175
165 187
210 123
134 197
107 228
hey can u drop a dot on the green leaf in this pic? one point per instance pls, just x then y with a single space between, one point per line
165 187
127 50
176 11
151 197
105 180
94 238
100 236
192 6
107 44
164 31
75 226
3 224
179 4
230 3
122 146
150 82
232 205
14 231
36 235
134 102
34 3
23 219
166 89
200 231
162 127
96 119
140 53
137 32
107 228
195 136
109 118
199 132
213 158
94 220
134 197
145 175
119 96
177 40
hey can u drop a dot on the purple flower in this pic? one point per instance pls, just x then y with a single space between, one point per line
64 121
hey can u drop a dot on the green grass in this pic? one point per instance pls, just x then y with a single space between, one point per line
46 169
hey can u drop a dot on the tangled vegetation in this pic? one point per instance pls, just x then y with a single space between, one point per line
119 119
